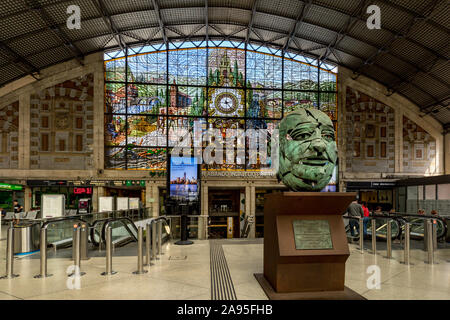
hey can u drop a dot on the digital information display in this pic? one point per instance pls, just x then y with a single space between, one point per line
312 235
184 178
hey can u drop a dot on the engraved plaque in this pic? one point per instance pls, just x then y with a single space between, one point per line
312 235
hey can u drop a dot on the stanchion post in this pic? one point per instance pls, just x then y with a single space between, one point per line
406 243
361 234
153 253
140 256
148 243
10 254
76 243
160 237
389 239
374 236
43 252
430 247
435 234
109 270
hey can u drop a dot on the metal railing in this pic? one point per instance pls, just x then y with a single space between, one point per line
404 230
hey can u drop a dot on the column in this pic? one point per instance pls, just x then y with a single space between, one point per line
203 219
252 233
250 206
447 152
398 141
27 199
99 116
24 131
155 203
97 193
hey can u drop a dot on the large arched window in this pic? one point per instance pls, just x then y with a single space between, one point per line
151 93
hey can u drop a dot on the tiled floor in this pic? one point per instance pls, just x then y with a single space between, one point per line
190 279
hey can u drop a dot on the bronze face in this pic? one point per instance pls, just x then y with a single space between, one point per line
308 151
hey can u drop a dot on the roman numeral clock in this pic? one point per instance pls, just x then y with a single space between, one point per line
226 102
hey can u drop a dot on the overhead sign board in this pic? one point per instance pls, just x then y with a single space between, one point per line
12 187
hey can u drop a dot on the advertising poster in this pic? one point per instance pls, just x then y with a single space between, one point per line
184 178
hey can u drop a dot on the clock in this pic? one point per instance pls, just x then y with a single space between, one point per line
226 102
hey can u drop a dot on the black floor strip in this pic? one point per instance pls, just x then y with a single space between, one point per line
222 287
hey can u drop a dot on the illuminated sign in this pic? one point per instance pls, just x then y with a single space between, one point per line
14 187
81 190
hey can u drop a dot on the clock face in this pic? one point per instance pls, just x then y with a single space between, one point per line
226 103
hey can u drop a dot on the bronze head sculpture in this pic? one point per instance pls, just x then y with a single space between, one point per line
308 151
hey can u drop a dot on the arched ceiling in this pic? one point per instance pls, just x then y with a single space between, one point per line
409 54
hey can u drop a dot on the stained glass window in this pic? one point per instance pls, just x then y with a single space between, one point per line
146 131
148 68
264 70
188 67
146 158
146 99
226 67
153 98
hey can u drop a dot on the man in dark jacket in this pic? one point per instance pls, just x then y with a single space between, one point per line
354 210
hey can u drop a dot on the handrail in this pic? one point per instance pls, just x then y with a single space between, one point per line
125 225
398 219
47 223
106 222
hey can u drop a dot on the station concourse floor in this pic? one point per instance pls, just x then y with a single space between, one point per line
184 273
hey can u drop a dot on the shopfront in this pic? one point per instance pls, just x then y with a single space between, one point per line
224 213
374 193
73 191
9 193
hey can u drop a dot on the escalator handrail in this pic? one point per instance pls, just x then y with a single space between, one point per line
103 233
47 223
125 225
384 217
426 217
421 216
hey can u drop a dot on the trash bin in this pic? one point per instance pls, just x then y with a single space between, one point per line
26 237
84 243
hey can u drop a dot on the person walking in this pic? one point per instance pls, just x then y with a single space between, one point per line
354 210
366 215
17 210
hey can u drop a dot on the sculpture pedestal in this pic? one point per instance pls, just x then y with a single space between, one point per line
305 246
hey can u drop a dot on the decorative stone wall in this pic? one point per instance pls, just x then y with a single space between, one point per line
419 149
62 126
9 136
369 134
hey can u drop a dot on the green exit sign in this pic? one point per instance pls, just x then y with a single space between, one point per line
13 187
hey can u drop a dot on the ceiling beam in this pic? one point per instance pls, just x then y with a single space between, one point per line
388 46
250 24
428 70
34 6
351 22
298 22
161 24
438 103
206 22
22 63
109 23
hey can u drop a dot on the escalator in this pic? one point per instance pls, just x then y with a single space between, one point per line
123 232
418 227
398 227
60 231
381 228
